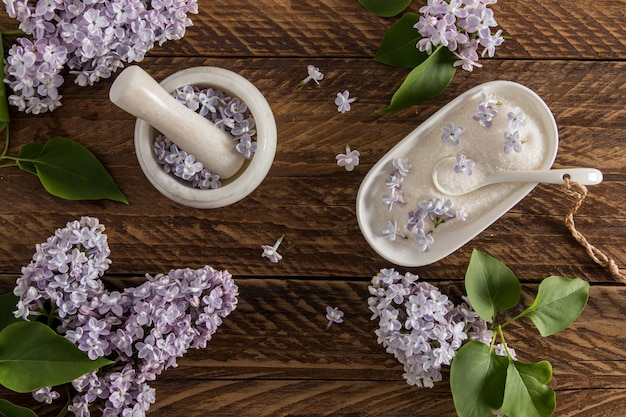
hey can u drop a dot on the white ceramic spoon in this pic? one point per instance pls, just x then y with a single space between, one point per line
449 182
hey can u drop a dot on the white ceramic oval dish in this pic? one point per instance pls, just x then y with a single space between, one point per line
249 177
369 197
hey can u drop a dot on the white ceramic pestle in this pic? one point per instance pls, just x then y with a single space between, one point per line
136 92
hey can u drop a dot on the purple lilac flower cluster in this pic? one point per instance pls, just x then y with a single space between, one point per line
91 38
225 112
420 326
143 330
429 215
463 26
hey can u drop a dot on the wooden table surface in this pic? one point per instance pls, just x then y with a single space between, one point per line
272 357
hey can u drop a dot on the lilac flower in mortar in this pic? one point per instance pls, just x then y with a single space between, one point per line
348 160
314 74
271 252
464 165
333 315
452 134
343 101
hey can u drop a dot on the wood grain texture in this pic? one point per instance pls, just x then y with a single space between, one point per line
272 356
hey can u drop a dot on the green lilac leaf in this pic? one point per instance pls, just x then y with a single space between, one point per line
477 378
28 152
491 286
8 303
69 170
527 393
558 303
33 356
385 8
398 46
8 409
425 81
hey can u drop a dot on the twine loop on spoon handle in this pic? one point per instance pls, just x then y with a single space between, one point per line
579 192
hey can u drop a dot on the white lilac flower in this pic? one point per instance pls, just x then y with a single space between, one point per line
464 165
333 315
142 330
462 27
343 101
349 159
90 39
271 252
392 198
188 168
314 74
422 328
516 118
452 134
512 142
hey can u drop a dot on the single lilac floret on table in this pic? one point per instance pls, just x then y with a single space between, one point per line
349 160
271 252
343 101
230 114
333 315
143 330
90 39
314 74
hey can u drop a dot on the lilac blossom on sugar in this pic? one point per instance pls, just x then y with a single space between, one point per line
429 215
463 26
420 326
92 39
143 330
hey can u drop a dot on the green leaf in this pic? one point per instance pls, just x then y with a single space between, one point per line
385 8
425 81
8 409
558 303
28 152
477 378
527 393
69 170
8 303
491 286
398 46
33 356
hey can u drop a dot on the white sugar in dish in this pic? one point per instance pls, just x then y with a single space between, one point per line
430 224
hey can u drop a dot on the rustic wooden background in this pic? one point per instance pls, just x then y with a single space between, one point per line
272 357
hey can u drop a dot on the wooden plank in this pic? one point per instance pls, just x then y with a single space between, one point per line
272 357
338 28
322 234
